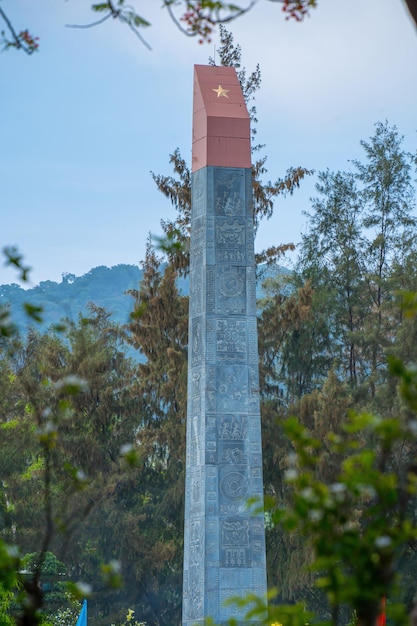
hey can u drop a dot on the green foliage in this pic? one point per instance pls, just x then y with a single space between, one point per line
359 525
6 598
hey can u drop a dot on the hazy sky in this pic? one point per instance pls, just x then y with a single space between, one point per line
85 120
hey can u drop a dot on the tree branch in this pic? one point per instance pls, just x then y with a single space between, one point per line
23 40
126 16
412 7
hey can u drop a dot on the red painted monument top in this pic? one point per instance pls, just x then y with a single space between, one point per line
221 125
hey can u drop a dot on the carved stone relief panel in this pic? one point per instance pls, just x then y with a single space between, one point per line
196 404
231 508
199 186
211 428
253 402
252 341
233 453
210 341
196 440
197 255
196 489
211 452
255 427
233 427
194 606
196 544
211 478
250 254
231 290
231 254
211 482
232 389
196 342
255 455
196 381
229 191
196 292
198 230
251 291
256 480
210 290
231 338
234 485
211 389
210 241
235 532
230 233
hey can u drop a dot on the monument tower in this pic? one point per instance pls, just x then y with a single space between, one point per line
224 542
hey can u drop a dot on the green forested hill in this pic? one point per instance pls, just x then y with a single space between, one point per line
105 287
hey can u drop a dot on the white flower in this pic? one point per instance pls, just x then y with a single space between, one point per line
291 474
81 475
126 448
383 542
308 494
315 515
292 459
412 425
83 589
338 488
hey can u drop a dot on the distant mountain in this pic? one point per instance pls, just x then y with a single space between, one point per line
104 286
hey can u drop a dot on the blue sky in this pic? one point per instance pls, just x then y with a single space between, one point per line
85 120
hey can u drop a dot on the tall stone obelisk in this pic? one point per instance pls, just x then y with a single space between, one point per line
224 542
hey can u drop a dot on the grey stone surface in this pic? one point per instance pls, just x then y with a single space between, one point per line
224 544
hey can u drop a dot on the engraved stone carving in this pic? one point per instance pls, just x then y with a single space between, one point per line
231 292
235 557
234 486
231 232
235 533
196 342
195 546
195 596
196 293
233 455
229 192
231 283
231 255
231 336
233 427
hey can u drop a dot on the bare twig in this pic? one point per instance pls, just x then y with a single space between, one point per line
92 24
412 7
126 16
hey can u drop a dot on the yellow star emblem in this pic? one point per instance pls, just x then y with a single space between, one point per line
221 92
